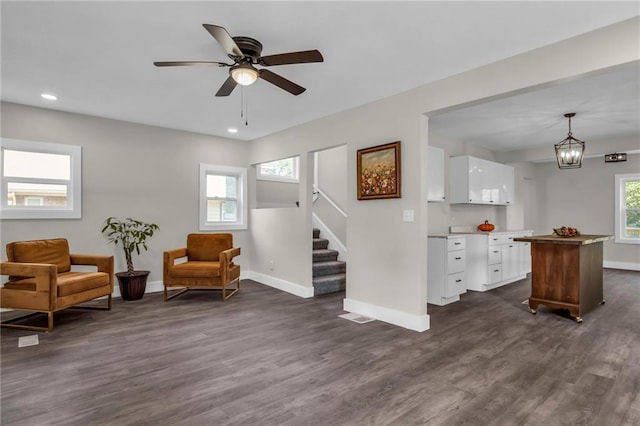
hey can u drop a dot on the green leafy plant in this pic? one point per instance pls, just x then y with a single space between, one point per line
132 234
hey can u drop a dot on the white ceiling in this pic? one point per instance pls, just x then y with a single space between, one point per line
607 105
97 58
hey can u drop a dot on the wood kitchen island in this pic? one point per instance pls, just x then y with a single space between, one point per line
566 272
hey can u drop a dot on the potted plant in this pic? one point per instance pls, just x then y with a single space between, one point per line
132 235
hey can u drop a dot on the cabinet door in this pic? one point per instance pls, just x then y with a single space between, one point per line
477 181
491 182
510 260
506 180
435 163
524 264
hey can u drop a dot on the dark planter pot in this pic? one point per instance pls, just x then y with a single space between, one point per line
132 286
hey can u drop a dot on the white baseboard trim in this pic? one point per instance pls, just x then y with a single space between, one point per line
631 266
391 316
287 286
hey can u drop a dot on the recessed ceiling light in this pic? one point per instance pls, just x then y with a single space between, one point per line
232 130
49 97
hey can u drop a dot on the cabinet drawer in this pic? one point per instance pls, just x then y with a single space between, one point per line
456 261
508 238
456 284
495 273
497 239
455 244
495 255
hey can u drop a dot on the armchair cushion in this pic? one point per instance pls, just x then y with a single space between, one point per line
202 247
67 283
195 269
54 251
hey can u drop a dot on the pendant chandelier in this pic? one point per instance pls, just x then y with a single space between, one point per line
569 151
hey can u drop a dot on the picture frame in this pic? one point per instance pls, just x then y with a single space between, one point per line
379 172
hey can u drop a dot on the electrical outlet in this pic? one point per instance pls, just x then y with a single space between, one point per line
271 267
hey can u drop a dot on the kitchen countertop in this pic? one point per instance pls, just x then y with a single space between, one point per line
445 235
554 239
475 230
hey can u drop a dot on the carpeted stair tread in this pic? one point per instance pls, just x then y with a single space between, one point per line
329 268
324 255
329 284
320 243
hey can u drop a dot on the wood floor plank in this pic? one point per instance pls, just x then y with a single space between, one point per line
269 358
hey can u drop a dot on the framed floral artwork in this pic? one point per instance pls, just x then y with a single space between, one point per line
379 172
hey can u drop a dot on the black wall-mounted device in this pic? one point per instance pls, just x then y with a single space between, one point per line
616 157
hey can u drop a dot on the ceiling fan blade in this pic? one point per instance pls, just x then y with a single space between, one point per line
227 87
226 41
189 63
301 57
281 82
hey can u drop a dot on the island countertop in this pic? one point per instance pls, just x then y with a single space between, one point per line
583 239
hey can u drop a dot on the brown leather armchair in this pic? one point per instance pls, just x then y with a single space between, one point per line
208 266
41 279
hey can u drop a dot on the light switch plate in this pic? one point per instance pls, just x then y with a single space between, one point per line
408 215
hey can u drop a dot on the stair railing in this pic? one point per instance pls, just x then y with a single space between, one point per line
317 192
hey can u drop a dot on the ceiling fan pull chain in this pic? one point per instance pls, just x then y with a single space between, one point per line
246 111
241 101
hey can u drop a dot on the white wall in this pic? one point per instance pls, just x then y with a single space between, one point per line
584 198
331 178
282 239
271 194
332 171
387 269
128 170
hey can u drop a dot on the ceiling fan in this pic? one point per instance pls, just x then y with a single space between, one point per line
245 53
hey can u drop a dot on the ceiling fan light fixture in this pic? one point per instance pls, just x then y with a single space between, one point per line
244 74
569 151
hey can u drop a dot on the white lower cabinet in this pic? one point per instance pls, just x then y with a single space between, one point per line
524 254
446 269
494 259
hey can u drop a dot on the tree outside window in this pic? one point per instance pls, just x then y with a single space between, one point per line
627 208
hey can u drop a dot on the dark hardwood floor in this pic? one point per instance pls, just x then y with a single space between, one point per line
269 358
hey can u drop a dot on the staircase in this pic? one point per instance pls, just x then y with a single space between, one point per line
329 273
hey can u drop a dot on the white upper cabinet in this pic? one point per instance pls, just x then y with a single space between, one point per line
435 163
476 181
506 184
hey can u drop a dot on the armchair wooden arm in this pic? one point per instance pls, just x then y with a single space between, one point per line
173 255
226 263
43 275
103 263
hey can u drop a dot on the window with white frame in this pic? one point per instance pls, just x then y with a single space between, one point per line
40 180
223 192
627 199
285 170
